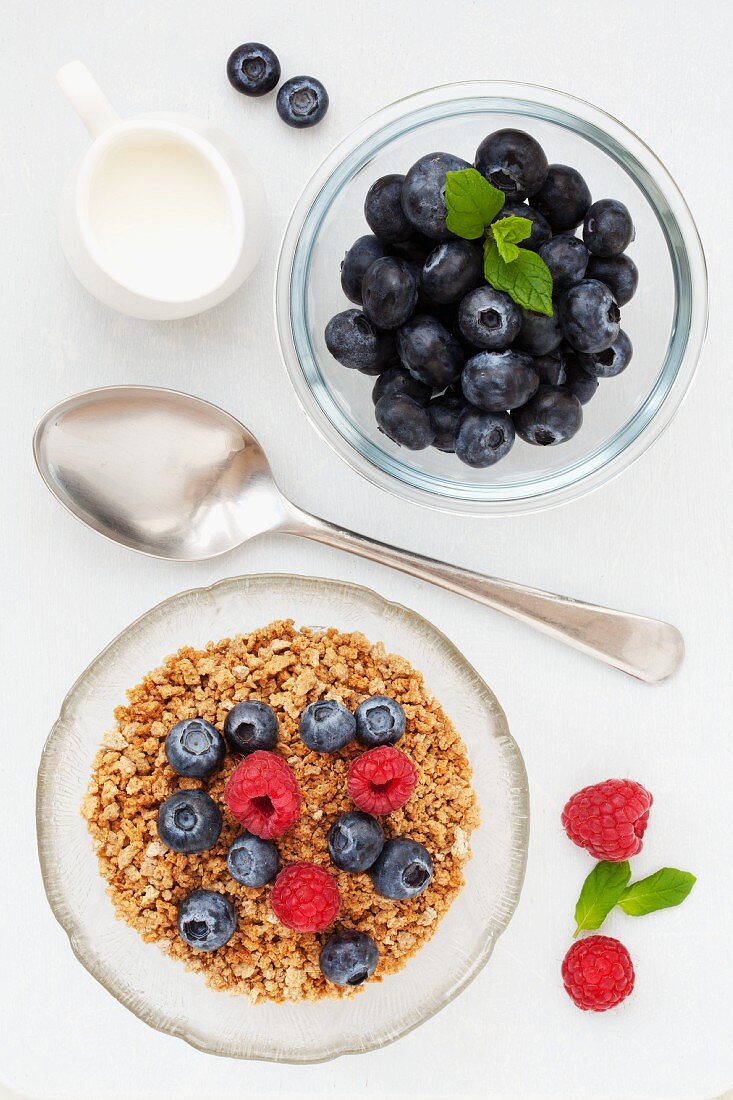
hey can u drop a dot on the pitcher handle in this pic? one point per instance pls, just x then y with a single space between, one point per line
87 98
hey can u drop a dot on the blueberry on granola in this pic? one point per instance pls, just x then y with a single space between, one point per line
250 726
348 958
355 840
195 748
379 721
189 821
253 861
206 920
404 869
326 726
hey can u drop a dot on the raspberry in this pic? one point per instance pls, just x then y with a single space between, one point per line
598 973
608 819
305 897
263 795
381 780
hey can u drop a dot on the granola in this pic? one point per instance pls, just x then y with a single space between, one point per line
287 668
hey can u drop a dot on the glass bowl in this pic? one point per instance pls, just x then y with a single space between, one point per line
157 988
666 319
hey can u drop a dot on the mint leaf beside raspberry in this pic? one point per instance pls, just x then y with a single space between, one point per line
665 888
601 892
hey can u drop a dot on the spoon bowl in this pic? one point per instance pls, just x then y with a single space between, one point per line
172 476
159 471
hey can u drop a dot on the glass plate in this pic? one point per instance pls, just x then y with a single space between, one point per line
157 988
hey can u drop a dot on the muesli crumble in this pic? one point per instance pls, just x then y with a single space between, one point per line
287 668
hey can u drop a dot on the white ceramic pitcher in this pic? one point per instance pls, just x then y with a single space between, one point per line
163 216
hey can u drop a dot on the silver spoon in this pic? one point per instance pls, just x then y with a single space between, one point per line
175 477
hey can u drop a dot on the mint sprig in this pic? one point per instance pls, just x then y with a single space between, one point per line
607 887
665 888
472 203
601 892
527 279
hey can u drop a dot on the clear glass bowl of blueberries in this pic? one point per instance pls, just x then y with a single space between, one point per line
420 354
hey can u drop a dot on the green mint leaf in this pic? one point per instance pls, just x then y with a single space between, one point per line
601 892
664 888
472 203
526 279
507 233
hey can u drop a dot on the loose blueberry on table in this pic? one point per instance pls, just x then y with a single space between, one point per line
253 69
485 291
302 101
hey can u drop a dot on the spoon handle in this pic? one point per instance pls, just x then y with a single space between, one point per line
645 648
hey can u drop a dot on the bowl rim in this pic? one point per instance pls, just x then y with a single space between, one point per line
519 796
570 485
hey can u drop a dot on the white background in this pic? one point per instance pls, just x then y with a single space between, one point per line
655 541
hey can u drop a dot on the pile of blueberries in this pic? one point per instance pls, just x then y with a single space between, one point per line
190 821
459 365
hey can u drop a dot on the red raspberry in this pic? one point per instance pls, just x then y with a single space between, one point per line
598 973
263 795
381 780
305 897
609 819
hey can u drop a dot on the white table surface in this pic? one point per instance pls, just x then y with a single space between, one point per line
656 541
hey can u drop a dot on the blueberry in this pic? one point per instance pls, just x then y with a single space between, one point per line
354 841
359 257
484 438
551 368
194 748
423 193
611 361
253 861
302 101
379 721
589 316
250 726
541 231
619 273
403 869
326 726
445 416
389 292
451 270
429 352
567 259
383 209
577 380
488 318
512 161
355 342
416 248
206 920
348 958
539 334
498 380
253 69
189 821
398 380
405 421
552 416
564 198
608 228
